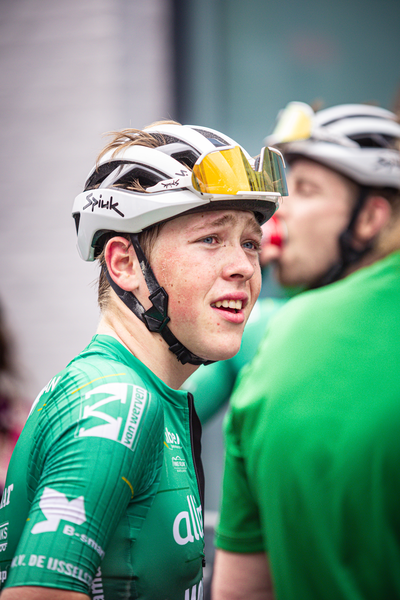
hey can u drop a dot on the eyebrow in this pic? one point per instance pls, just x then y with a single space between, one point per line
305 180
227 220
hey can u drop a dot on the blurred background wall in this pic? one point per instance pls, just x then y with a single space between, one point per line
73 69
239 62
70 70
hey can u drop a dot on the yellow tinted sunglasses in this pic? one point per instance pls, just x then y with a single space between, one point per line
228 172
294 123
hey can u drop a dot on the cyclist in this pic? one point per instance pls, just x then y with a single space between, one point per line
311 484
319 216
103 497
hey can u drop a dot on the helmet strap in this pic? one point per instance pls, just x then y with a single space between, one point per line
156 317
348 254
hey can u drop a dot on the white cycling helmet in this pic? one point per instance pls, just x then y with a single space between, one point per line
356 140
186 169
359 141
191 168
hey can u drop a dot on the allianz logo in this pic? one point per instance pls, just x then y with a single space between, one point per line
195 592
188 524
5 500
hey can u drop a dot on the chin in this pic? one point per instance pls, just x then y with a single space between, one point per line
215 347
223 353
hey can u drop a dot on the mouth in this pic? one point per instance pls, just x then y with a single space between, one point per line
233 306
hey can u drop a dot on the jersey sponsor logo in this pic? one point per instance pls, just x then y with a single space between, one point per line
172 439
100 412
55 564
3 536
4 531
56 507
69 530
18 561
47 388
52 564
188 524
179 464
97 586
195 592
5 500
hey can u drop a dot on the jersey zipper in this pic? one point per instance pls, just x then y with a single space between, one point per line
195 442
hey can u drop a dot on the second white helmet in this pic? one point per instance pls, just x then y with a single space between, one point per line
356 140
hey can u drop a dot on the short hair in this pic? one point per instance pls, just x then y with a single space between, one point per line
146 240
122 139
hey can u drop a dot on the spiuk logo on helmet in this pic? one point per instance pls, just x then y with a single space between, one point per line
100 203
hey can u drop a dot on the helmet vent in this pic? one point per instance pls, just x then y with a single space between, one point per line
77 218
138 174
374 140
186 157
165 139
214 139
101 172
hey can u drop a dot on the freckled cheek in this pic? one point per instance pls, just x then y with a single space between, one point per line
256 281
181 311
185 299
183 308
186 287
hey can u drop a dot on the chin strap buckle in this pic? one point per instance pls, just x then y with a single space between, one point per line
156 317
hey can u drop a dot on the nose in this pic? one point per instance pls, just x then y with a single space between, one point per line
239 264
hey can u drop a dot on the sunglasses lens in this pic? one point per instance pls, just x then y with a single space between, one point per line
228 172
294 123
221 172
273 171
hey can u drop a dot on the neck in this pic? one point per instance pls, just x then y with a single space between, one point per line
150 348
385 243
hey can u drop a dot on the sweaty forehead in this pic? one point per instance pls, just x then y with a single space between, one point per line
224 218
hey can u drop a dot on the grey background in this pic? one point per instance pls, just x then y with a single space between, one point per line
70 70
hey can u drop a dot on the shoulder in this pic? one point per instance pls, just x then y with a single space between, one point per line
97 396
344 299
306 329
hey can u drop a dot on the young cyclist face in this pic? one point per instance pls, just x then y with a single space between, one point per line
209 265
316 212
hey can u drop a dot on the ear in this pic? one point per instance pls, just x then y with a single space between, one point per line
374 215
122 263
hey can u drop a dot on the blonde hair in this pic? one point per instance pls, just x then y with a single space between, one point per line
125 138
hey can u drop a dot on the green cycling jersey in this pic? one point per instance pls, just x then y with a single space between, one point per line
312 443
103 492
